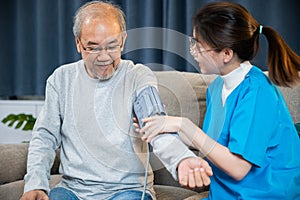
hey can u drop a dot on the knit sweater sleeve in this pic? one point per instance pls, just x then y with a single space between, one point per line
45 140
170 150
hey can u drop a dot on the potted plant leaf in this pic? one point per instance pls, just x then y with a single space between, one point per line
24 121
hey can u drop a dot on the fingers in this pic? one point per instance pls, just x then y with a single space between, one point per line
202 175
151 129
191 179
205 177
207 172
137 127
35 195
156 125
198 177
145 120
194 178
135 119
207 168
184 180
146 130
194 172
148 119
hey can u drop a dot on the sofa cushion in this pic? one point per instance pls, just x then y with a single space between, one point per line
172 193
13 159
198 196
292 98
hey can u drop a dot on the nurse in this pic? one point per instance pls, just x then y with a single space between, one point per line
248 135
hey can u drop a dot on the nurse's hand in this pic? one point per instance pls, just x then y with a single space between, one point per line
159 124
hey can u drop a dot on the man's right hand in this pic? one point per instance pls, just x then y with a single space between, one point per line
35 195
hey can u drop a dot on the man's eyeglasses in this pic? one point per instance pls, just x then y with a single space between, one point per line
108 49
195 47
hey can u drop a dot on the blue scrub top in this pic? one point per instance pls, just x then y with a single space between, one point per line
256 124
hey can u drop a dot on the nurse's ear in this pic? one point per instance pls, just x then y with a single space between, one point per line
227 55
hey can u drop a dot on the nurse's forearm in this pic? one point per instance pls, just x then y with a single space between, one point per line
232 164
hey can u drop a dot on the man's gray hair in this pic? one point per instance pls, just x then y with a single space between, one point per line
82 13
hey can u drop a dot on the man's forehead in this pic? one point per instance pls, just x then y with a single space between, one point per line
101 39
101 23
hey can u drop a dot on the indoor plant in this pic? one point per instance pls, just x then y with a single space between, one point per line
24 121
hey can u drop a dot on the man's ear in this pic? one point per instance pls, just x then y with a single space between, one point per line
77 44
227 55
124 36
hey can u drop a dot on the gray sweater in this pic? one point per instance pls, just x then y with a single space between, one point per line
91 122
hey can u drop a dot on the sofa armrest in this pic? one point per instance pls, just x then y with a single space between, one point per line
13 162
13 159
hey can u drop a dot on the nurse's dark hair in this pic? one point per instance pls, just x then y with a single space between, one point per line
229 25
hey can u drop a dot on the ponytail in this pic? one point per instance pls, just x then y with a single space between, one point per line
283 62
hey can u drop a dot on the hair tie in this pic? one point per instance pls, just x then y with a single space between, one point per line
260 29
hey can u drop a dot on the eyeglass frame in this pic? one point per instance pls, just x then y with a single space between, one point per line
193 44
100 49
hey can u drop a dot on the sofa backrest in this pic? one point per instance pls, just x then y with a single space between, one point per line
292 99
184 94
13 161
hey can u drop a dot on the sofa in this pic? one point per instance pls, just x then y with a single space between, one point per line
183 94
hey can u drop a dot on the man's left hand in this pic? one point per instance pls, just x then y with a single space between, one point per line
194 172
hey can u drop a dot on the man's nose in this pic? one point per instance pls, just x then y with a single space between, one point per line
103 55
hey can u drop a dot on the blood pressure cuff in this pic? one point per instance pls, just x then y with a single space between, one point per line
167 147
147 104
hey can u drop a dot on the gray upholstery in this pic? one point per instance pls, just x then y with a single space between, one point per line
183 94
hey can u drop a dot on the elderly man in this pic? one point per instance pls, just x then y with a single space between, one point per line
88 115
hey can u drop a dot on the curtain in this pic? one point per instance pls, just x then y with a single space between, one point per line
36 36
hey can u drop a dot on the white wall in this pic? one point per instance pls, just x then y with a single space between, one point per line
10 134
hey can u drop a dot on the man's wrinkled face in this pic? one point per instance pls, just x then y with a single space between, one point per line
100 45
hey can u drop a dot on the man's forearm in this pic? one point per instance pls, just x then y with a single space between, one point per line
170 150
